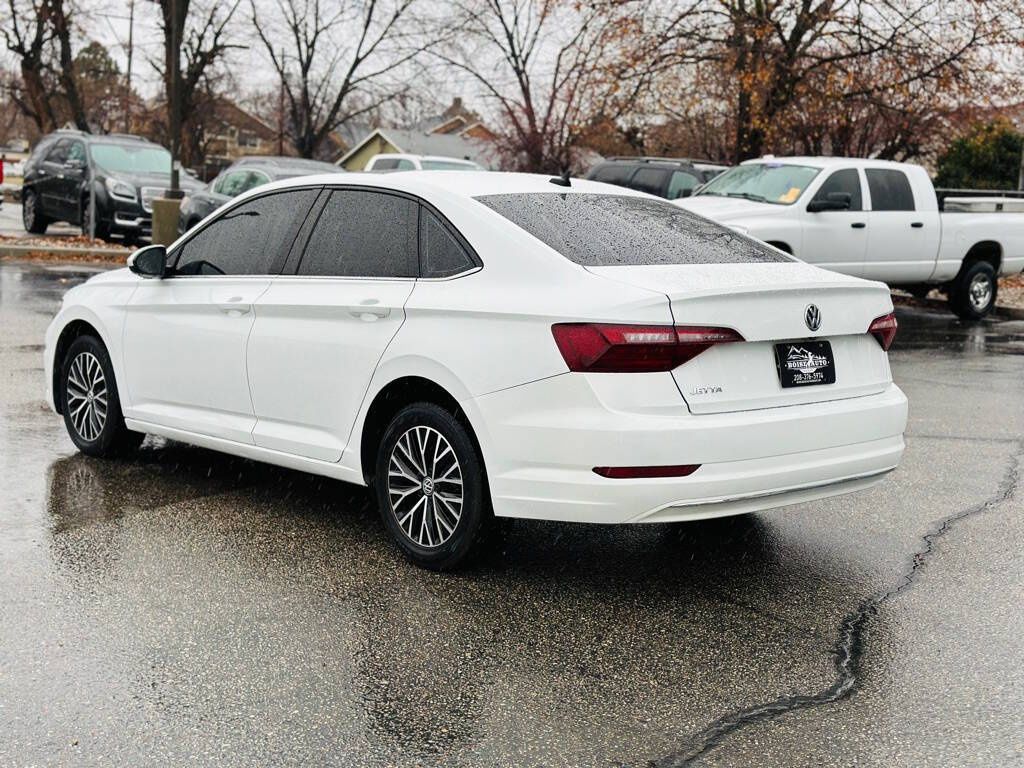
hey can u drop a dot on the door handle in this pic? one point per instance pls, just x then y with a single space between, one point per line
235 306
858 225
369 314
917 224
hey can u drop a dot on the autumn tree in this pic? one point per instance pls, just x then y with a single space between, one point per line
336 61
554 73
38 33
819 72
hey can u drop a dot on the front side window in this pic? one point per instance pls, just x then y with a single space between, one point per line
612 230
890 190
361 233
76 153
441 253
233 183
846 182
247 239
59 154
775 183
649 180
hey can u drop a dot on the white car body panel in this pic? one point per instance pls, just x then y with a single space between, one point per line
885 245
285 369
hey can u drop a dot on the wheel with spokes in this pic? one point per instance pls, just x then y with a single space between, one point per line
430 486
91 407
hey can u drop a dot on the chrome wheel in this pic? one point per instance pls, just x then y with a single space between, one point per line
979 292
425 486
87 396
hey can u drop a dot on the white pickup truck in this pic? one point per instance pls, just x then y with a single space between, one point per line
870 218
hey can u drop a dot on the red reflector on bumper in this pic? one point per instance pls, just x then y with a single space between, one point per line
674 470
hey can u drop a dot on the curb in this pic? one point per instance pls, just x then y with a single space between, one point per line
1006 313
104 255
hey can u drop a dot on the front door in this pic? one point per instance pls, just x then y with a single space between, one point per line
185 337
837 240
320 332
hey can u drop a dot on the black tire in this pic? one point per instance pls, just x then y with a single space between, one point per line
31 217
84 371
973 293
475 519
102 232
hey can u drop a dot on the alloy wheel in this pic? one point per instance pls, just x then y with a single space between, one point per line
980 292
425 486
87 399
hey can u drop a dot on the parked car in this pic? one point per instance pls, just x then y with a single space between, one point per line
659 176
244 174
502 346
709 170
406 162
869 218
126 173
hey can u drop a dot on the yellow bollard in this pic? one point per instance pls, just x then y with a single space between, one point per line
165 220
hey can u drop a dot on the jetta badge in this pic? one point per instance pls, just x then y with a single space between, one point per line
812 316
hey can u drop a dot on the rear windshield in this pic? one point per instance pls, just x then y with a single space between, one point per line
611 230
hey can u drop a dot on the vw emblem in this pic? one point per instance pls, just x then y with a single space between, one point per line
428 486
812 316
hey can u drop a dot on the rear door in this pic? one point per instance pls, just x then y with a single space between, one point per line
903 229
321 330
837 240
51 180
185 337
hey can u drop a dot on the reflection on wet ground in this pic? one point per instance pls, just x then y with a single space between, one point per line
183 607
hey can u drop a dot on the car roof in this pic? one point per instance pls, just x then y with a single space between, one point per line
825 162
410 156
468 185
648 161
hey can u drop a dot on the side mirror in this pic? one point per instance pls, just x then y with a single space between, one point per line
150 261
834 201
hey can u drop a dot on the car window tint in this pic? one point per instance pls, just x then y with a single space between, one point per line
76 153
610 230
441 253
248 238
363 234
384 164
681 184
254 179
890 190
846 181
649 180
234 183
613 174
59 153
404 165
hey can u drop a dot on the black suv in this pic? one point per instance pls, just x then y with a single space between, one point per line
659 176
127 172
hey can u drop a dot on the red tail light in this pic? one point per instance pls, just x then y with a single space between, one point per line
884 329
620 473
604 348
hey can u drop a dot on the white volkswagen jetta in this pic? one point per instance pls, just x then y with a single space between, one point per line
491 344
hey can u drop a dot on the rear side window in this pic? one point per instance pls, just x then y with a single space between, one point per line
363 234
681 184
846 181
649 180
385 164
441 254
610 230
890 190
613 174
247 239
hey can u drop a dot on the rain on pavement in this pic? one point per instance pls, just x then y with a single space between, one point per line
188 608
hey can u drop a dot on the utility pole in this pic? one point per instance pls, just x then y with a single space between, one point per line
173 106
128 78
280 111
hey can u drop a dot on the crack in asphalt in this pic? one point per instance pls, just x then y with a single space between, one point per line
849 648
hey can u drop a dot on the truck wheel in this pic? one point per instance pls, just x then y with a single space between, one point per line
973 294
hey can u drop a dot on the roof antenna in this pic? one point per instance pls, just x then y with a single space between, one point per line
563 180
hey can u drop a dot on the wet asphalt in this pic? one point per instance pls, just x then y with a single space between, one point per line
186 608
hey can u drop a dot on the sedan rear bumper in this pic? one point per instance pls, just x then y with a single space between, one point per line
542 441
